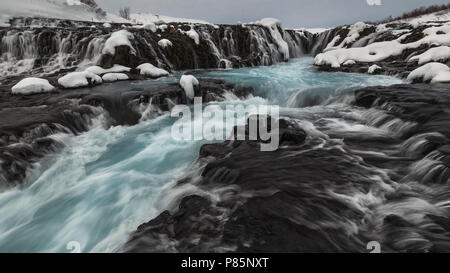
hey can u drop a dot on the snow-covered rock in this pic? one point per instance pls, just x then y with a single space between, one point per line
193 35
79 79
274 26
112 77
373 68
100 70
118 38
150 70
431 72
352 36
150 26
435 54
187 82
106 25
164 43
32 86
349 62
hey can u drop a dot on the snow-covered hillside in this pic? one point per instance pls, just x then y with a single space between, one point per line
147 18
61 9
432 17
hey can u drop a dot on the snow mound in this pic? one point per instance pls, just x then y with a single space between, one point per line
118 38
32 86
150 70
373 68
79 79
97 70
150 26
164 43
275 28
112 77
431 72
187 82
436 54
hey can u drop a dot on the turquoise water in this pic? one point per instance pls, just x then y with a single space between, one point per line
107 182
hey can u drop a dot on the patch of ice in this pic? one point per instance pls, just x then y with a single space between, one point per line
431 72
79 79
187 82
150 70
32 86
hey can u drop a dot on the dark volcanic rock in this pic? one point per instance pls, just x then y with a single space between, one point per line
425 104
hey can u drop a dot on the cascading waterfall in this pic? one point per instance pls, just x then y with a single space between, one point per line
107 182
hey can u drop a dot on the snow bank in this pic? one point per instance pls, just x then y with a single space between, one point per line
79 79
435 54
274 26
32 86
431 72
100 70
164 43
187 82
373 68
150 70
379 51
112 77
352 36
118 38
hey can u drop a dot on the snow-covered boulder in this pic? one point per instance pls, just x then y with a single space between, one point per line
372 69
164 43
32 86
349 62
275 28
431 72
187 82
118 38
435 54
193 35
112 77
106 25
150 26
79 79
150 70
100 70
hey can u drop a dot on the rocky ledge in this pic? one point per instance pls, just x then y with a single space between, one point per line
28 123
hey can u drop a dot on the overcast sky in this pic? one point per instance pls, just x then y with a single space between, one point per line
292 13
